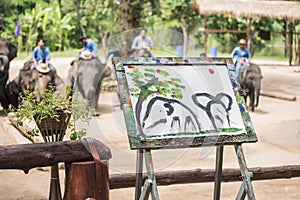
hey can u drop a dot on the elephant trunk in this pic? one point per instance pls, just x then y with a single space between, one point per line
257 90
4 64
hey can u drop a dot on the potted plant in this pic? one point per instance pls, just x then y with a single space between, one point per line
53 113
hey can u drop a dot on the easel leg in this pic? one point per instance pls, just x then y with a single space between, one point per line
246 175
151 176
139 173
218 172
242 193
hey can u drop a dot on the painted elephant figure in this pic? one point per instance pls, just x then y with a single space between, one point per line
8 52
216 107
250 80
168 116
85 77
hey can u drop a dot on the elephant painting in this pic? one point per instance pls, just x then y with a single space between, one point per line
8 52
170 116
216 107
250 80
85 77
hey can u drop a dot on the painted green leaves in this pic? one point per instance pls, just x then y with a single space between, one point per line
157 82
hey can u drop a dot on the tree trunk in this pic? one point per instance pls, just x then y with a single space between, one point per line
28 156
205 34
138 106
249 35
124 14
185 37
103 36
77 9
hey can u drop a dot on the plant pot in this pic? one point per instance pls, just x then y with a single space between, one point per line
53 129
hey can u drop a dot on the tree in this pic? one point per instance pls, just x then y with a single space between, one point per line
61 26
181 13
149 83
32 21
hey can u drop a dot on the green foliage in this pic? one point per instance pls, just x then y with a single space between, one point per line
49 106
62 22
154 82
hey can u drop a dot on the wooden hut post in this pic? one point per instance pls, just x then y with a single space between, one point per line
249 35
290 42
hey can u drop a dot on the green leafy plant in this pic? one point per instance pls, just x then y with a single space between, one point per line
48 103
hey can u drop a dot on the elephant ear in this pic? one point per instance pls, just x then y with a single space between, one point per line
202 100
225 100
12 51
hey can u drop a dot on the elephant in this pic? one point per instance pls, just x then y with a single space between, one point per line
216 107
85 77
170 116
32 79
143 52
8 52
250 80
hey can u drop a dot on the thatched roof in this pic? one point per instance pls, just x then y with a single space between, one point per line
270 9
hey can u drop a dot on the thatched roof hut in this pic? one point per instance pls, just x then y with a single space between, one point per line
289 10
271 9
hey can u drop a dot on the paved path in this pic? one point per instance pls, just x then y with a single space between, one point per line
277 123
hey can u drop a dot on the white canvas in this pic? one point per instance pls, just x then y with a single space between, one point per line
183 100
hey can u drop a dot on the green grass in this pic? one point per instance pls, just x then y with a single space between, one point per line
54 54
156 52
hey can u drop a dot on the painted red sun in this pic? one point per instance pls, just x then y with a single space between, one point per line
211 71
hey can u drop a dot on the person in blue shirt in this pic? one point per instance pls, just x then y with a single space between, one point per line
41 54
2 27
88 45
142 41
240 53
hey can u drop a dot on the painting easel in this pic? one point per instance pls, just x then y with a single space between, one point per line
218 135
143 190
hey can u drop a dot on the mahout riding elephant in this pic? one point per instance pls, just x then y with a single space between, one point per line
250 80
143 52
85 78
8 52
32 79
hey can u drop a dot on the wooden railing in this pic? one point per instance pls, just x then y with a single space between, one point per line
206 175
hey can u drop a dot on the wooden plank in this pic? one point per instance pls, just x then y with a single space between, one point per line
278 95
203 30
206 175
28 156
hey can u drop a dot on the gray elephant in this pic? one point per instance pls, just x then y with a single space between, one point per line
31 80
250 80
8 52
85 77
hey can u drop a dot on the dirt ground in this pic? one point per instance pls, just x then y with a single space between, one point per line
277 123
